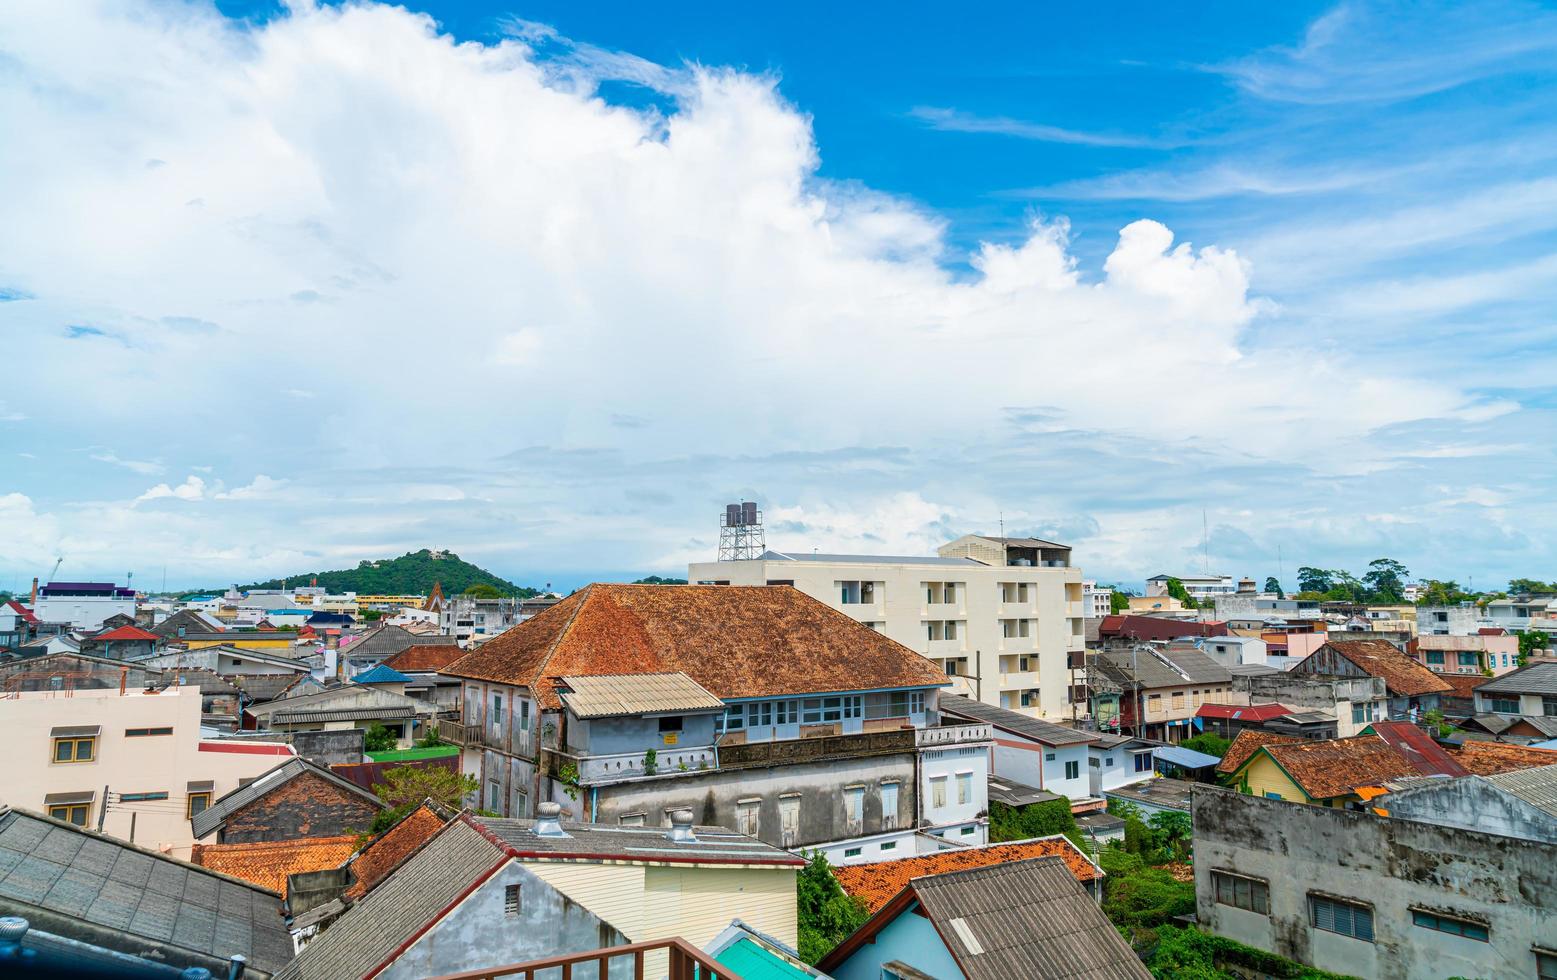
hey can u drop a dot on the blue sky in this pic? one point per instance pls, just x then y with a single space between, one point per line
547 283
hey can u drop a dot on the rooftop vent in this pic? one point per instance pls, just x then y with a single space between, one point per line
548 820
681 827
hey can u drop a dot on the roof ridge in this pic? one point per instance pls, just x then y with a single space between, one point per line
556 641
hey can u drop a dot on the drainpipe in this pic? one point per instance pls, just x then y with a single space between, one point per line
594 804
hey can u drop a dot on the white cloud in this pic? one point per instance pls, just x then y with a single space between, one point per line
141 466
261 486
193 488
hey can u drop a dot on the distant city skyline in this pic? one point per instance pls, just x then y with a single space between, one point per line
547 284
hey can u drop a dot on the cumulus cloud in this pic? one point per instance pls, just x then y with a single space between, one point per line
423 253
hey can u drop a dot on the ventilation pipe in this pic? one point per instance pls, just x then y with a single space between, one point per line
548 820
681 827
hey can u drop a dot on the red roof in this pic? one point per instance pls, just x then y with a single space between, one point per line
127 633
1491 631
1418 747
1156 628
22 611
1243 712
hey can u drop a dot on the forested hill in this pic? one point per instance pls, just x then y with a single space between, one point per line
410 574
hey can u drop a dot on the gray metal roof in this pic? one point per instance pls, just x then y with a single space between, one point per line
323 715
386 641
869 559
1013 793
361 700
614 695
1537 787
211 819
1157 669
1172 794
1012 721
1538 678
413 896
120 891
633 843
1028 919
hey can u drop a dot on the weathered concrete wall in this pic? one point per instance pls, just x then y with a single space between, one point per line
819 786
327 748
480 933
1392 865
308 806
1472 803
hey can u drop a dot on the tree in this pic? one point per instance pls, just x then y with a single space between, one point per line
1272 584
1386 580
1442 593
1314 580
481 590
406 787
1137 897
377 738
827 914
1531 641
1177 591
1118 602
1007 823
1172 830
1208 742
658 580
1525 586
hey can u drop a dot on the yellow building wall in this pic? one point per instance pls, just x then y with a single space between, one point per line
248 641
696 903
1263 776
612 891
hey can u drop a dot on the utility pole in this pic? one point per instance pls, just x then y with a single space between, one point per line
102 811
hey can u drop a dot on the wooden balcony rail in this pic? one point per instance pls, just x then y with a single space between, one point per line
686 962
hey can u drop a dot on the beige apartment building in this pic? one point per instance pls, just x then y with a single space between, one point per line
1002 616
132 762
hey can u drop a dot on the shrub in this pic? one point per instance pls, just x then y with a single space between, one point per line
827 914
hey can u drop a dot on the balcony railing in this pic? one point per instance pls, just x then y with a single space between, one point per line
485 736
451 730
630 765
684 962
791 751
952 735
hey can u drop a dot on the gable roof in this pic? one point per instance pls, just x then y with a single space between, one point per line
1537 787
1491 758
1156 627
425 657
381 674
1015 722
386 641
1336 767
212 819
135 897
127 633
616 695
344 702
1246 744
1161 668
876 882
1539 678
21 610
735 641
1244 712
386 852
268 863
1418 747
1020 919
1380 658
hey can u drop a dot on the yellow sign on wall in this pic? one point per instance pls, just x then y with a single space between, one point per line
671 738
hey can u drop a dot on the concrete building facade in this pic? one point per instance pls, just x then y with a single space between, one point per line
1369 896
1004 633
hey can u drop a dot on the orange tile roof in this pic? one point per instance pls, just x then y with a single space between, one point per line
268 863
1491 758
876 882
1337 766
1463 685
1381 658
734 640
425 657
1246 744
385 852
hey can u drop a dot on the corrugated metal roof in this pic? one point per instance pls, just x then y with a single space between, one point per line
634 843
1045 732
1025 919
610 695
341 714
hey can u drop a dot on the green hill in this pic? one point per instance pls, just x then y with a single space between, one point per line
410 574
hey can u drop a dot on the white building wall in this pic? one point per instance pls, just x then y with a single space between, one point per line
82 612
900 607
954 791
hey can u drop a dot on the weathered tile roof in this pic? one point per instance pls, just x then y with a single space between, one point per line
1463 685
1045 732
127 633
388 850
267 864
875 883
1538 678
425 657
1026 919
136 900
1491 758
1380 658
611 695
736 641
1337 766
208 821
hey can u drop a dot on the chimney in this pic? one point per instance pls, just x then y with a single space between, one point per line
548 820
681 827
34 602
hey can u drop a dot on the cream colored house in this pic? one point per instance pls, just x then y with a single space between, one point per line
71 753
1002 616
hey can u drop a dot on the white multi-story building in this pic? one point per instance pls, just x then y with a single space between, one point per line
84 605
1002 616
1098 600
1198 586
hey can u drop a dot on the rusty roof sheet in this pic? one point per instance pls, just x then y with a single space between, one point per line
613 695
388 850
1491 758
876 882
268 863
1380 658
735 641
1338 766
1246 744
1418 747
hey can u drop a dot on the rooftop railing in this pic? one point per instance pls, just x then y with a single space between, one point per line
684 962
